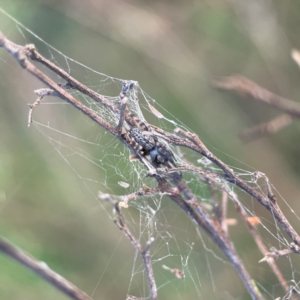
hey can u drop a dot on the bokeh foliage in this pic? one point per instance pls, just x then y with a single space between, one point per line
174 49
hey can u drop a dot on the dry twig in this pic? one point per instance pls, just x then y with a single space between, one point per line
259 242
41 269
249 89
269 127
274 253
145 254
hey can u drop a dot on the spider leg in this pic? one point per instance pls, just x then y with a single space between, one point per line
123 103
123 100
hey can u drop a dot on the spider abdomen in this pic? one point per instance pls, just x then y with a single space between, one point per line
149 147
146 141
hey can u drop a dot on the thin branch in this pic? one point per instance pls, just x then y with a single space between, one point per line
269 127
42 270
270 193
130 297
179 274
193 142
247 88
288 295
41 94
145 191
278 253
32 107
213 179
259 242
145 254
223 216
19 54
31 52
200 216
149 270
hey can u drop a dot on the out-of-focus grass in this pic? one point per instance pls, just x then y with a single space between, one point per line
173 50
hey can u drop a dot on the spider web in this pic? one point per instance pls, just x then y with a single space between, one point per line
102 163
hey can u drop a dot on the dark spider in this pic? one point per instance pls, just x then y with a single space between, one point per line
150 146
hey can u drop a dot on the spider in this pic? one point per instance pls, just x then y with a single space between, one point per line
149 146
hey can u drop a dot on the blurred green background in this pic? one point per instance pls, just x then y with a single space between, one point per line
174 49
